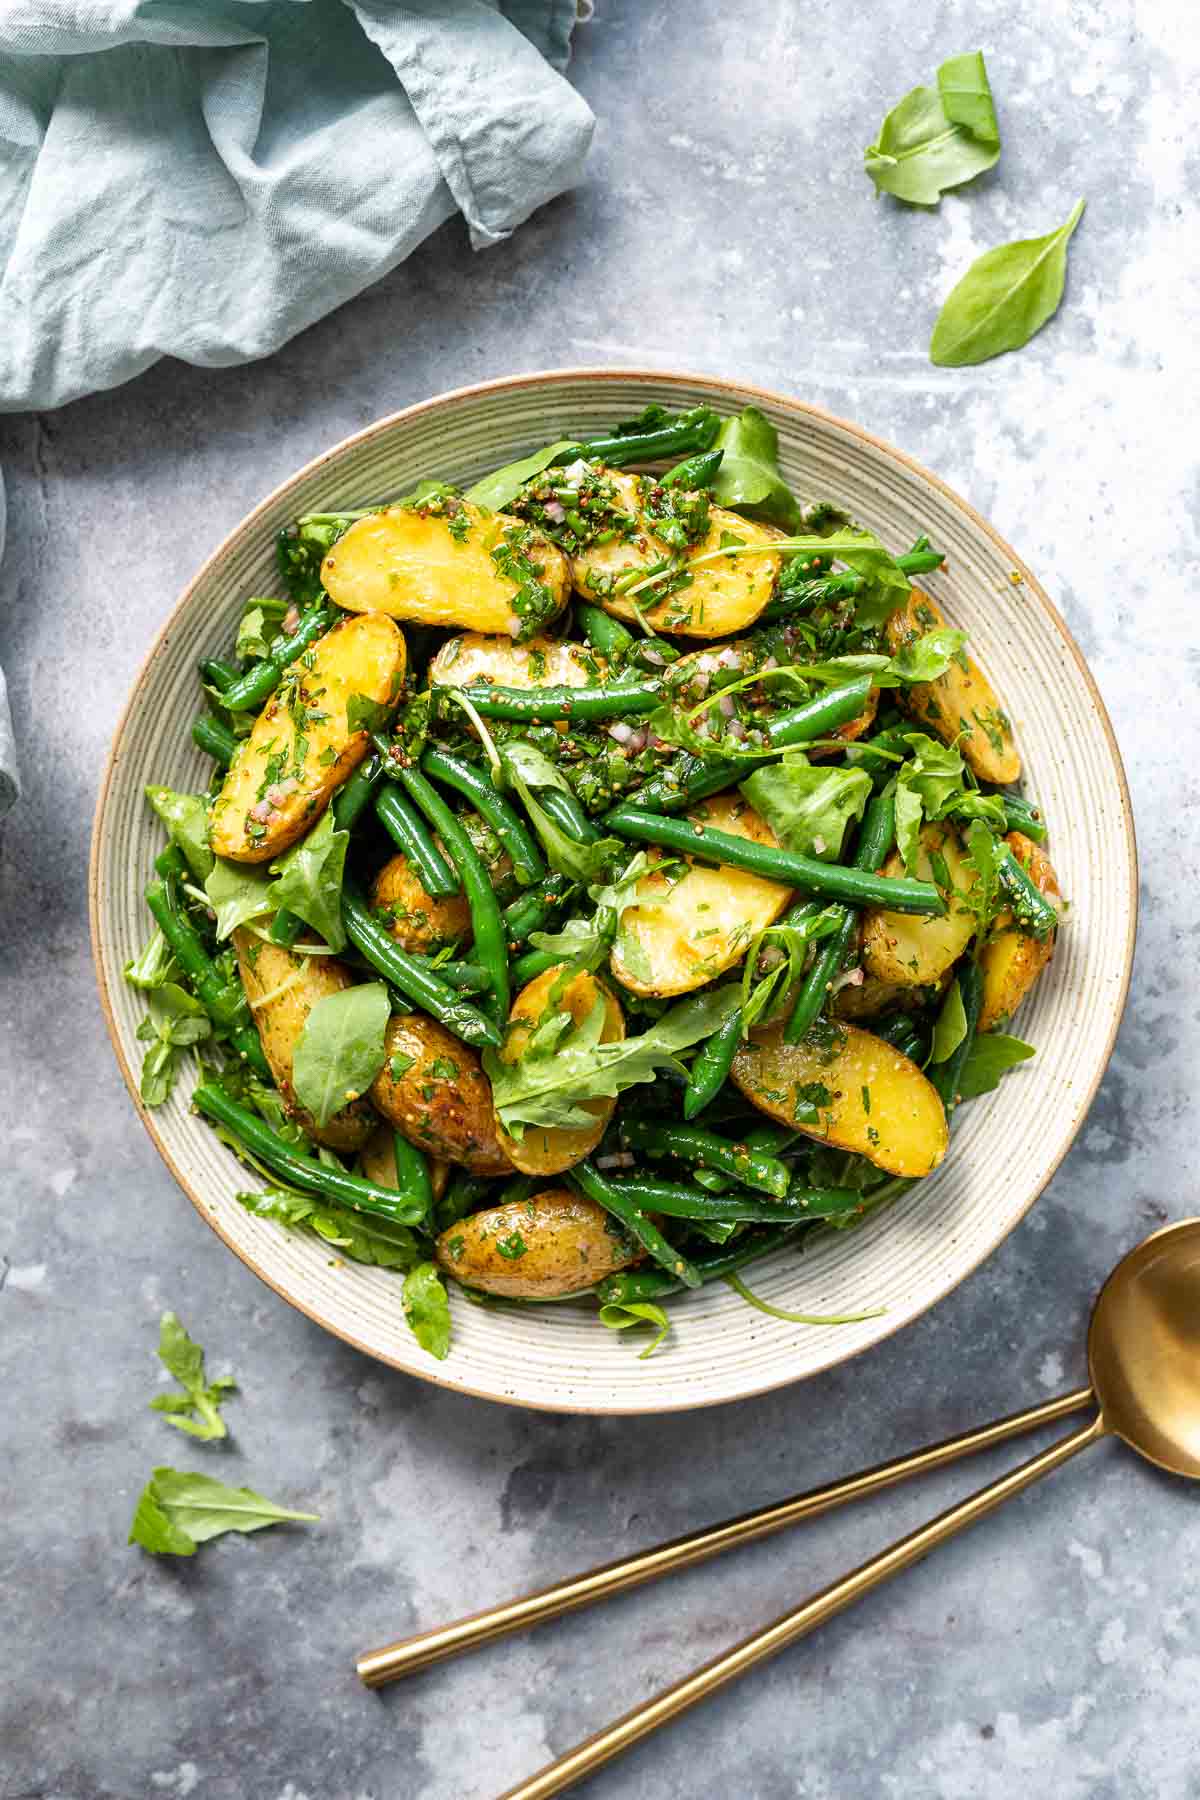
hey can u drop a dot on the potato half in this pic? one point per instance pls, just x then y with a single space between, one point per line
686 929
855 1092
908 951
553 1244
544 1150
471 569
1011 962
435 1093
961 705
417 921
282 988
724 595
269 798
542 662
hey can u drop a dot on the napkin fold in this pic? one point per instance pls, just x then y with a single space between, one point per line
205 178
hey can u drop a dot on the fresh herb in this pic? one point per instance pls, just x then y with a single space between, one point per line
361 1237
533 603
178 1511
427 1309
341 1048
937 138
253 640
621 1315
186 819
951 1026
991 1055
237 893
807 807
197 1410
513 1247
175 1021
527 768
749 478
365 714
310 880
810 1098
495 491
1004 298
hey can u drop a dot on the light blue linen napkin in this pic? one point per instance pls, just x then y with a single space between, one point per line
205 178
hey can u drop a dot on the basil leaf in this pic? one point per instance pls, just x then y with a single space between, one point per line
178 1510
340 1050
237 893
991 1055
808 808
184 1359
620 1315
310 880
362 1237
929 143
427 1309
496 490
1004 298
749 478
186 819
967 95
951 1026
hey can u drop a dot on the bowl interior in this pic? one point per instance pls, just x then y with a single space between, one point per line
1005 1147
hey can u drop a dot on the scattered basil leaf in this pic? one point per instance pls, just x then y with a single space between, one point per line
186 819
1005 297
341 1048
178 1510
937 138
496 490
749 478
427 1309
620 1315
951 1026
361 1237
310 880
237 893
175 1021
991 1055
808 808
155 965
197 1410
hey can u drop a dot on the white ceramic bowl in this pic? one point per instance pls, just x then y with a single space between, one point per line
1005 1148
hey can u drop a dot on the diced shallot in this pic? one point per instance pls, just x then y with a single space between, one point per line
728 705
850 978
621 732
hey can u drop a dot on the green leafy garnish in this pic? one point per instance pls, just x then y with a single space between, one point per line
1005 297
197 1410
253 637
807 807
310 880
186 819
365 714
427 1309
362 1237
527 768
178 1510
937 138
951 1026
621 1315
341 1048
237 893
495 491
175 1021
155 965
749 478
798 1318
991 1055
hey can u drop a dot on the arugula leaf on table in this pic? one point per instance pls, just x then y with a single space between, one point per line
237 893
564 1063
496 490
197 1410
526 768
361 1237
310 880
1004 299
427 1309
341 1048
937 138
951 1026
991 1055
186 819
155 965
749 478
175 1021
807 807
178 1510
620 1315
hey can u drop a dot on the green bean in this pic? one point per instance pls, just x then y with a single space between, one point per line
413 977
713 1180
1032 911
354 795
895 1030
874 842
1023 816
534 909
260 682
460 1198
710 1067
693 430
407 830
215 739
490 947
467 977
568 815
690 778
225 1004
527 968
586 1178
694 471
412 1178
690 1143
892 742
529 865
607 636
674 1200
945 1076
630 1285
855 887
545 705
301 1170
218 674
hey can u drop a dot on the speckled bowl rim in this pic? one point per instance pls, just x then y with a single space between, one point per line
741 392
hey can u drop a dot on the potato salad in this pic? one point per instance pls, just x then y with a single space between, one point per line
609 875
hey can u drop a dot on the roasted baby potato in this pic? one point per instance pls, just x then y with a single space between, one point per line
553 1244
282 988
690 925
484 571
852 1091
269 799
435 1093
544 1150
910 951
416 920
724 595
961 705
542 662
378 1161
1011 962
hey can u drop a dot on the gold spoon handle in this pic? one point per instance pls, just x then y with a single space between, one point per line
557 1776
376 1667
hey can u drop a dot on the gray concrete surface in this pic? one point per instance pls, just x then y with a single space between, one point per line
725 224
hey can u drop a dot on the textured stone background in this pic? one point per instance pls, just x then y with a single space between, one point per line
725 225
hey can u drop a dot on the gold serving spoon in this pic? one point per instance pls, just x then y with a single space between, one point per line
1144 1361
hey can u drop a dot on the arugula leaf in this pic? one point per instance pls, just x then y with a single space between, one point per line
951 1026
365 714
310 880
427 1309
761 993
253 639
341 1048
527 767
179 1510
749 478
925 786
186 819
991 1055
937 138
155 965
175 1021
362 1237
620 1315
584 943
563 1064
984 853
1005 297
237 893
496 490
808 808
184 1359
923 660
